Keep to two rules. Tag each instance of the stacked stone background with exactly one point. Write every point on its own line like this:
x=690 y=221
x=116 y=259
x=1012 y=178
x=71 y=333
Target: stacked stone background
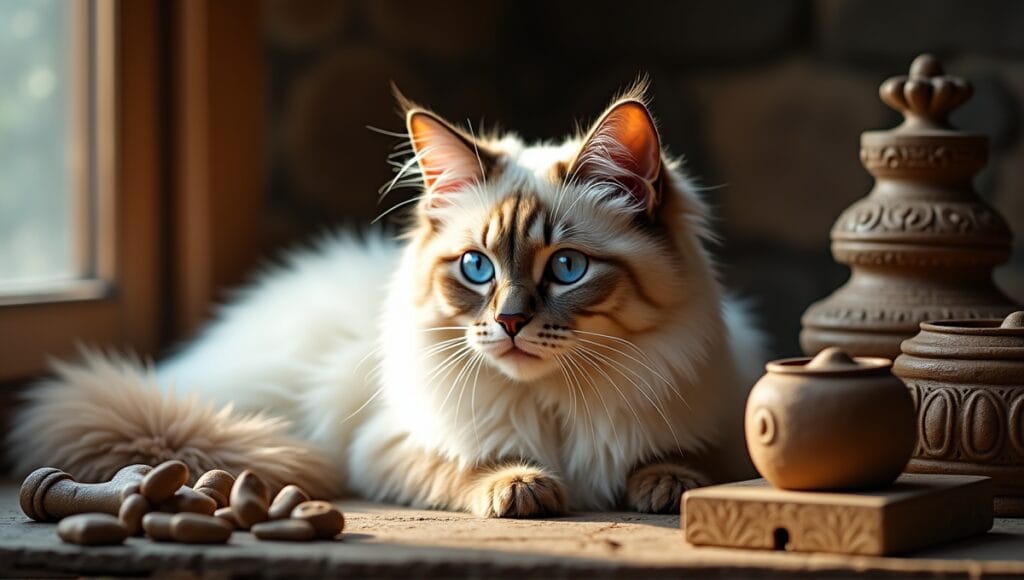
x=766 y=101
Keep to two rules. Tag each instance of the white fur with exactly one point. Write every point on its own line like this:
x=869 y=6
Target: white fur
x=300 y=344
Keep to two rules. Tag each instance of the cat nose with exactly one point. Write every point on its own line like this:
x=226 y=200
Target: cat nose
x=512 y=323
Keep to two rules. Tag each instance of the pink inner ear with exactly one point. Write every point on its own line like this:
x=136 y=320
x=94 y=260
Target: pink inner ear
x=445 y=159
x=631 y=125
x=624 y=147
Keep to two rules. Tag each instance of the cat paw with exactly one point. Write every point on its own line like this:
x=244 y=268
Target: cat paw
x=658 y=488
x=518 y=492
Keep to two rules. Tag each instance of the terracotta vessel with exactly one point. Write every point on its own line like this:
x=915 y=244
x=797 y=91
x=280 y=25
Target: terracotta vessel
x=831 y=422
x=967 y=381
x=922 y=244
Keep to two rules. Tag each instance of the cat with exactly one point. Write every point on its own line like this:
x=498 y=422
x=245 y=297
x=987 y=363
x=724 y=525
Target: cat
x=549 y=334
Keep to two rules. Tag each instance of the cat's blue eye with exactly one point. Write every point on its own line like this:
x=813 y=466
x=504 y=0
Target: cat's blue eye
x=477 y=268
x=568 y=266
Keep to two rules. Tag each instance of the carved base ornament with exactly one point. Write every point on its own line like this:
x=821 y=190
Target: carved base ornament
x=922 y=245
x=967 y=380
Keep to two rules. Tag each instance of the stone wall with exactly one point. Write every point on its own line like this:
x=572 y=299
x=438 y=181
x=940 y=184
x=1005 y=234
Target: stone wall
x=766 y=100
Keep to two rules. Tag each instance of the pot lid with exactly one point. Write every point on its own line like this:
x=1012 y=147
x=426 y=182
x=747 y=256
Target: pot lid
x=977 y=339
x=1014 y=320
x=832 y=361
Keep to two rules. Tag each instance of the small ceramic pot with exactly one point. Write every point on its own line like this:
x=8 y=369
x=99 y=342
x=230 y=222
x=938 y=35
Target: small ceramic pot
x=828 y=423
x=967 y=381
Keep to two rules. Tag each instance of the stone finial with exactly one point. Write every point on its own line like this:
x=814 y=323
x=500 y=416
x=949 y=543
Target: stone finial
x=1014 y=320
x=927 y=95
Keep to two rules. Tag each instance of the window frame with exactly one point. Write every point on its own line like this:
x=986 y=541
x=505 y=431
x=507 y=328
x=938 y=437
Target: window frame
x=114 y=304
x=180 y=205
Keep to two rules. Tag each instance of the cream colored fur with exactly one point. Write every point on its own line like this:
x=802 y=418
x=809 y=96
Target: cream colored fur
x=337 y=346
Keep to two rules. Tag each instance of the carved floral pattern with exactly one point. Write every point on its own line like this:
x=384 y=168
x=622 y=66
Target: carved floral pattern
x=896 y=314
x=922 y=156
x=810 y=528
x=921 y=217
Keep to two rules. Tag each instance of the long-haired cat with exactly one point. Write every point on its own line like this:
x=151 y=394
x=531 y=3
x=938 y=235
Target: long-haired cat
x=549 y=334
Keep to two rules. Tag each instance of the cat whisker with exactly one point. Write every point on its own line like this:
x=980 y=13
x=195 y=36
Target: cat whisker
x=583 y=395
x=365 y=404
x=375 y=350
x=388 y=133
x=607 y=411
x=441 y=347
x=584 y=355
x=672 y=386
x=618 y=339
x=618 y=367
x=472 y=402
x=476 y=151
x=394 y=207
x=448 y=362
x=455 y=383
x=412 y=164
x=462 y=391
x=569 y=418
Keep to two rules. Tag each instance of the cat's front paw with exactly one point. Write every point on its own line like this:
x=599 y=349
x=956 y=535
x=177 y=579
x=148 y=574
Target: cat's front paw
x=518 y=491
x=657 y=488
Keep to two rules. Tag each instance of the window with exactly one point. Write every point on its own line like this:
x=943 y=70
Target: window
x=52 y=130
x=136 y=137
x=77 y=130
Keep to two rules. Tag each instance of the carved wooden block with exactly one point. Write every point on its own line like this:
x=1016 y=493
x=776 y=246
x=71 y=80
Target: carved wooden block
x=917 y=511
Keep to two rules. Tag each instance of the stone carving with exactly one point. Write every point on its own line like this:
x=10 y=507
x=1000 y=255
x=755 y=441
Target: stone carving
x=966 y=378
x=875 y=157
x=921 y=227
x=914 y=217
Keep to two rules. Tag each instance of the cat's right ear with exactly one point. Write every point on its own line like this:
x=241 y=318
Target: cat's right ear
x=448 y=159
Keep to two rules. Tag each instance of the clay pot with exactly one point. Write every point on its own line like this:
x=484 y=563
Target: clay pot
x=922 y=244
x=967 y=381
x=831 y=422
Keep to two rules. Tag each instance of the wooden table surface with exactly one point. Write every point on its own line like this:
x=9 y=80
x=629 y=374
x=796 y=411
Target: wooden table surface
x=383 y=540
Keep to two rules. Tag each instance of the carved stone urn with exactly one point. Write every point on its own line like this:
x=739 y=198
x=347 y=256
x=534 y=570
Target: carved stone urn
x=829 y=423
x=922 y=244
x=967 y=380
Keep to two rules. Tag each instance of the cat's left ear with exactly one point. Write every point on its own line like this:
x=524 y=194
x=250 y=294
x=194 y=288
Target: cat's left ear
x=623 y=148
x=448 y=159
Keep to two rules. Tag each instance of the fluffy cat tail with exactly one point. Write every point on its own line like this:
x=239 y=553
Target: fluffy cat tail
x=106 y=412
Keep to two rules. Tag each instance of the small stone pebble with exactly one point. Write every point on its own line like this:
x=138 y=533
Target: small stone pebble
x=228 y=515
x=285 y=501
x=285 y=530
x=249 y=500
x=192 y=528
x=217 y=484
x=157 y=526
x=93 y=529
x=187 y=499
x=133 y=509
x=326 y=520
x=160 y=484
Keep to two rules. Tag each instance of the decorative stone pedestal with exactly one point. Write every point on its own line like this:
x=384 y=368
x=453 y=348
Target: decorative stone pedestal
x=922 y=244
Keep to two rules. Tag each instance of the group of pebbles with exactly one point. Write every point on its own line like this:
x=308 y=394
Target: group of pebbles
x=156 y=501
